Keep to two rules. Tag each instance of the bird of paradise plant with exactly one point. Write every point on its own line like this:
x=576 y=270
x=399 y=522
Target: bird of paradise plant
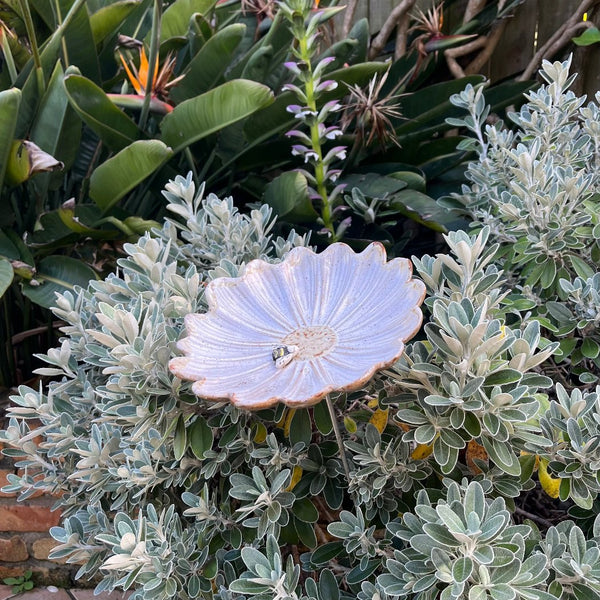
x=138 y=76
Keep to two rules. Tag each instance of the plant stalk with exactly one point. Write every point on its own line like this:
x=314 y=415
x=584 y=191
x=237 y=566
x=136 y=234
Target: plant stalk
x=152 y=61
x=338 y=436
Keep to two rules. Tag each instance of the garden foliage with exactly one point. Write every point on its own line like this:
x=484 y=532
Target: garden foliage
x=90 y=143
x=537 y=189
x=173 y=496
x=176 y=497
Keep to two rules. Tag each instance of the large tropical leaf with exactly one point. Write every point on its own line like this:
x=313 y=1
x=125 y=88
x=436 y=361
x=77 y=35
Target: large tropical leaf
x=28 y=81
x=275 y=118
x=289 y=197
x=56 y=129
x=107 y=19
x=120 y=174
x=9 y=108
x=6 y=275
x=208 y=66
x=111 y=124
x=80 y=45
x=198 y=117
x=176 y=19
x=56 y=274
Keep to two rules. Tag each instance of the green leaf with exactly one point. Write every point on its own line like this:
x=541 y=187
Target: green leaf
x=422 y=209
x=590 y=348
x=54 y=124
x=107 y=19
x=413 y=181
x=301 y=427
x=288 y=195
x=328 y=587
x=180 y=439
x=7 y=248
x=80 y=45
x=327 y=552
x=357 y=574
x=588 y=37
x=306 y=533
x=502 y=454
x=94 y=107
x=581 y=267
x=503 y=377
x=462 y=569
x=548 y=276
x=201 y=437
x=322 y=418
x=9 y=109
x=56 y=274
x=305 y=510
x=198 y=117
x=29 y=80
x=206 y=69
x=373 y=185
x=117 y=176
x=425 y=111
x=583 y=592
x=475 y=500
x=176 y=19
x=6 y=275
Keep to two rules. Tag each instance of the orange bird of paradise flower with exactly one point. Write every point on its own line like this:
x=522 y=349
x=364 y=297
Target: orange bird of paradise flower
x=161 y=80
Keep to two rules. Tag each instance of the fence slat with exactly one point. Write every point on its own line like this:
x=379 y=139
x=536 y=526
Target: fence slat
x=534 y=22
x=516 y=46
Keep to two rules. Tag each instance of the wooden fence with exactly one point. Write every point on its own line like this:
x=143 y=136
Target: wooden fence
x=532 y=25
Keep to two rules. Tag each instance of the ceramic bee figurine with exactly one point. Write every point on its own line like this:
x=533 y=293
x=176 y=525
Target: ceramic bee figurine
x=283 y=355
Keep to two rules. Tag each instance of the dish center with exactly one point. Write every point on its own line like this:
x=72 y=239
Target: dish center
x=311 y=342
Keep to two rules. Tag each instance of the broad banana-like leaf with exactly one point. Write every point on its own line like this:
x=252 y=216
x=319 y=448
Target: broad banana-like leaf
x=176 y=19
x=6 y=275
x=107 y=19
x=80 y=45
x=431 y=105
x=208 y=66
x=117 y=176
x=422 y=209
x=56 y=274
x=94 y=107
x=56 y=129
x=288 y=195
x=28 y=82
x=9 y=109
x=198 y=117
x=273 y=119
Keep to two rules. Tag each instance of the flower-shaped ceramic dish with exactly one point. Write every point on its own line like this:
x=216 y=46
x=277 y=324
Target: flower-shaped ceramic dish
x=295 y=331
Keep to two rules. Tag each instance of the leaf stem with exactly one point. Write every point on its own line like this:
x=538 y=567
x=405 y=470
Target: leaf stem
x=152 y=61
x=338 y=436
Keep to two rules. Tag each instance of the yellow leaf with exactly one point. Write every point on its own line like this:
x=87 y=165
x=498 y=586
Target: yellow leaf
x=350 y=424
x=374 y=403
x=261 y=433
x=422 y=451
x=549 y=484
x=288 y=422
x=296 y=476
x=380 y=419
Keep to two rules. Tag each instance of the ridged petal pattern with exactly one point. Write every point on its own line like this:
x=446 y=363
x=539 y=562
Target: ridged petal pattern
x=342 y=316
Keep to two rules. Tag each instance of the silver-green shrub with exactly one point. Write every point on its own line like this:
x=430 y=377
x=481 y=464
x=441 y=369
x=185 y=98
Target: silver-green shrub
x=537 y=188
x=173 y=497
